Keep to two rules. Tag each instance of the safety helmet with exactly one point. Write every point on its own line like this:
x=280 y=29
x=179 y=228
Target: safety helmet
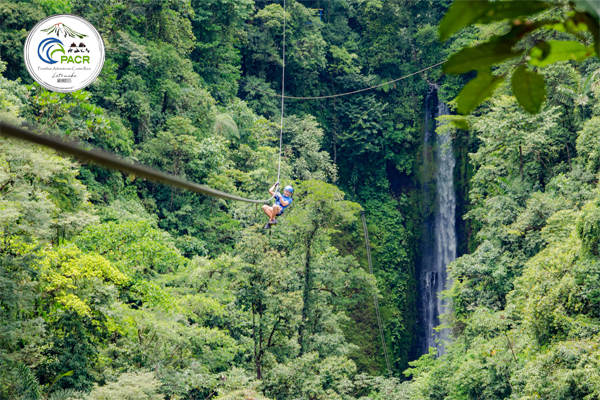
x=289 y=189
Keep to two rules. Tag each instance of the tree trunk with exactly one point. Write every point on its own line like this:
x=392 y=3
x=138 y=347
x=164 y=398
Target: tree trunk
x=260 y=341
x=334 y=150
x=256 y=344
x=306 y=295
x=521 y=162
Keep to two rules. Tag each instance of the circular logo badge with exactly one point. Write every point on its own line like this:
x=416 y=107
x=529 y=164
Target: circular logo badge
x=64 y=53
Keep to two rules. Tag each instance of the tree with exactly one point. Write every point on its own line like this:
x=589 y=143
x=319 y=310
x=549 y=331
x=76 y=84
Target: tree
x=269 y=291
x=588 y=148
x=305 y=47
x=513 y=142
x=303 y=138
x=321 y=208
x=132 y=386
x=76 y=289
x=217 y=26
x=40 y=193
x=16 y=19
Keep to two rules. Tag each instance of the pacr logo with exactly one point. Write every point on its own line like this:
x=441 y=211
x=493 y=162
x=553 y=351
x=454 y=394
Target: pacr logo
x=64 y=53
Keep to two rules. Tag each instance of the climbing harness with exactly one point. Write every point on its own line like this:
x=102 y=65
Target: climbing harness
x=381 y=333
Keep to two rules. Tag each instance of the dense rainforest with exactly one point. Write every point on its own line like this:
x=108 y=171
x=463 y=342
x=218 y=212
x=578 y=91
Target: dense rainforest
x=116 y=287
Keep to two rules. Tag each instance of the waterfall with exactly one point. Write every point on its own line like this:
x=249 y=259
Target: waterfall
x=439 y=232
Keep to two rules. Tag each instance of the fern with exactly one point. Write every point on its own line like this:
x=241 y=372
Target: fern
x=66 y=394
x=30 y=388
x=590 y=81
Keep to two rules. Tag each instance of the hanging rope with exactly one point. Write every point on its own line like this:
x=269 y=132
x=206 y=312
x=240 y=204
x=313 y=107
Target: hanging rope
x=381 y=333
x=282 y=105
x=347 y=93
x=282 y=94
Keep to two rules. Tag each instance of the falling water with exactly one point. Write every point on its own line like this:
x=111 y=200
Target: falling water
x=439 y=235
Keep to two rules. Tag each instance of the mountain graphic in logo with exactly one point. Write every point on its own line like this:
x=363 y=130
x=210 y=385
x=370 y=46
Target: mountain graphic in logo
x=45 y=47
x=59 y=28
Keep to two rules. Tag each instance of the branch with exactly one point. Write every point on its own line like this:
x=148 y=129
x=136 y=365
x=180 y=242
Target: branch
x=540 y=159
x=49 y=119
x=510 y=345
x=7 y=182
x=273 y=331
x=172 y=354
x=326 y=290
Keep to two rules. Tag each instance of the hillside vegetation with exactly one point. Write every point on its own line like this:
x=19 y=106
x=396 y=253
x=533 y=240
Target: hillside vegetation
x=115 y=287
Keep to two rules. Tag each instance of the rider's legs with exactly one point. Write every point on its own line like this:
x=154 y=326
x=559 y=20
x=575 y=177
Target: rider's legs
x=274 y=211
x=268 y=210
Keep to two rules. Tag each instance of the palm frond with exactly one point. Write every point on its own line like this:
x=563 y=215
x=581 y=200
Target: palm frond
x=575 y=79
x=589 y=81
x=226 y=126
x=565 y=94
x=66 y=394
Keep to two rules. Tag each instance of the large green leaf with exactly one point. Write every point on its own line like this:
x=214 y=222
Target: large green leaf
x=465 y=13
x=495 y=51
x=477 y=90
x=529 y=89
x=482 y=56
x=560 y=51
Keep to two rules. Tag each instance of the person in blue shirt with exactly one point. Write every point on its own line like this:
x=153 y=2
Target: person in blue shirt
x=281 y=202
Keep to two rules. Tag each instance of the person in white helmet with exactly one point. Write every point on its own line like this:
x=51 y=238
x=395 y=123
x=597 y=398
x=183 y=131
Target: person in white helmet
x=281 y=202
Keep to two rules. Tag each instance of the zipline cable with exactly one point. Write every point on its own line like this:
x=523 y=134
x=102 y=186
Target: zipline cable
x=347 y=93
x=360 y=90
x=381 y=333
x=108 y=160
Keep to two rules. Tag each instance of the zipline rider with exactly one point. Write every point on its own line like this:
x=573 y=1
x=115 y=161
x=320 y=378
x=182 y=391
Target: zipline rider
x=281 y=202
